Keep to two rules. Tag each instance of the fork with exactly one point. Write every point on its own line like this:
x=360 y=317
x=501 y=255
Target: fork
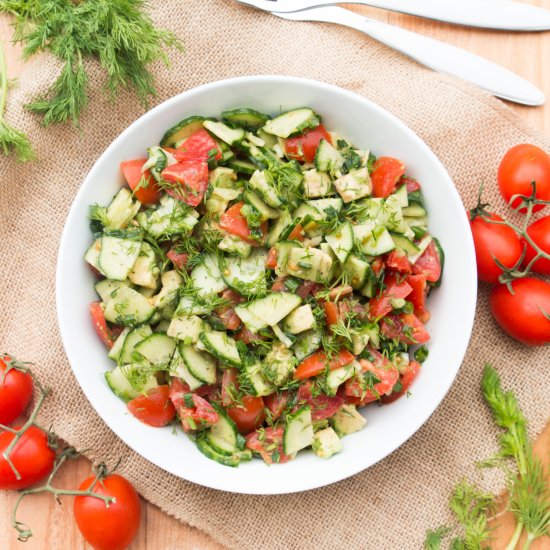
x=435 y=54
x=488 y=14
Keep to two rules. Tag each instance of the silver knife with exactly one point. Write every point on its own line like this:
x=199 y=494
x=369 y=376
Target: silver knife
x=489 y=14
x=435 y=54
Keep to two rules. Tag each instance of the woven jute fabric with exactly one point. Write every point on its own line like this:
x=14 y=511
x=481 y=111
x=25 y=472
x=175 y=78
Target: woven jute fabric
x=391 y=504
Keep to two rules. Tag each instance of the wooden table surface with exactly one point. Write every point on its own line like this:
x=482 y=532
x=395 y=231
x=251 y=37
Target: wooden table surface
x=53 y=526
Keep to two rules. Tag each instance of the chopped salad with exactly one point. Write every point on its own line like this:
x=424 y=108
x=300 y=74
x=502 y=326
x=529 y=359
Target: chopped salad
x=259 y=280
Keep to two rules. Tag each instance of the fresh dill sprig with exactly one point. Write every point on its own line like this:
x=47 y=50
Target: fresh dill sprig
x=529 y=491
x=11 y=139
x=435 y=538
x=119 y=34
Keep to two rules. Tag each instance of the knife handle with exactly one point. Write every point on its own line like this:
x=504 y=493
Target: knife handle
x=451 y=60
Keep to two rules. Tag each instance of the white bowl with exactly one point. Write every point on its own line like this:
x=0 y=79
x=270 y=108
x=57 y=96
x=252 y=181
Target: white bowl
x=452 y=305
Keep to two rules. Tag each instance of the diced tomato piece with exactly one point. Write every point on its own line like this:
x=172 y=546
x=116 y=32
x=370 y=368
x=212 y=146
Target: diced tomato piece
x=364 y=388
x=226 y=314
x=406 y=378
x=276 y=403
x=268 y=443
x=386 y=173
x=331 y=312
x=398 y=261
x=100 y=324
x=155 y=408
x=230 y=386
x=179 y=260
x=317 y=362
x=351 y=308
x=377 y=266
x=247 y=336
x=189 y=179
x=379 y=306
x=429 y=264
x=279 y=285
x=271 y=262
x=178 y=388
x=297 y=234
x=411 y=183
x=406 y=327
x=248 y=414
x=418 y=296
x=149 y=191
x=198 y=146
x=307 y=288
x=322 y=406
x=304 y=146
x=235 y=223
x=198 y=417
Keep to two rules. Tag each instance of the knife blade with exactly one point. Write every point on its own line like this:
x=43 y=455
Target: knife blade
x=489 y=14
x=436 y=55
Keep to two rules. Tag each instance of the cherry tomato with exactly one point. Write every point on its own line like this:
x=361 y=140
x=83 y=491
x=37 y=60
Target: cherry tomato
x=149 y=193
x=189 y=179
x=317 y=362
x=268 y=443
x=247 y=336
x=100 y=325
x=539 y=231
x=198 y=146
x=411 y=183
x=525 y=314
x=405 y=327
x=519 y=167
x=248 y=414
x=178 y=389
x=155 y=408
x=15 y=391
x=110 y=527
x=494 y=242
x=386 y=172
x=31 y=456
x=179 y=260
x=235 y=223
x=304 y=146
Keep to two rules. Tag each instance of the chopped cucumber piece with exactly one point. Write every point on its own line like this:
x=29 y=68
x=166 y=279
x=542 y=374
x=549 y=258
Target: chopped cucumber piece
x=92 y=255
x=107 y=289
x=278 y=228
x=246 y=275
x=119 y=251
x=292 y=122
x=415 y=210
x=122 y=210
x=310 y=264
x=128 y=308
x=134 y=337
x=227 y=460
x=235 y=245
x=338 y=376
x=404 y=244
x=200 y=364
x=231 y=136
x=179 y=369
x=307 y=343
x=355 y=185
x=207 y=278
x=326 y=443
x=298 y=431
x=247 y=118
x=186 y=328
x=317 y=184
x=341 y=241
x=128 y=381
x=279 y=365
x=145 y=271
x=358 y=271
x=221 y=346
x=157 y=348
x=299 y=320
x=402 y=197
x=223 y=436
x=268 y=310
x=328 y=159
x=255 y=383
x=174 y=137
x=258 y=182
x=116 y=350
x=422 y=245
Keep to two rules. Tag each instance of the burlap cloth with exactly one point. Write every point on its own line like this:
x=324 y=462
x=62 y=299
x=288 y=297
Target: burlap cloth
x=393 y=503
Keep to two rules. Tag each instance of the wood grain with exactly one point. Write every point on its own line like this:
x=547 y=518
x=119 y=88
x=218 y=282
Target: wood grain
x=53 y=526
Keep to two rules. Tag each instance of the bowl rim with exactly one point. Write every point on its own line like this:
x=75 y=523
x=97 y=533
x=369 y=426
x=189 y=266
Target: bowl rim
x=307 y=484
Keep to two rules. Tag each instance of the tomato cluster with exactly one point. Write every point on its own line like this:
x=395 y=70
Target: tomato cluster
x=32 y=458
x=505 y=256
